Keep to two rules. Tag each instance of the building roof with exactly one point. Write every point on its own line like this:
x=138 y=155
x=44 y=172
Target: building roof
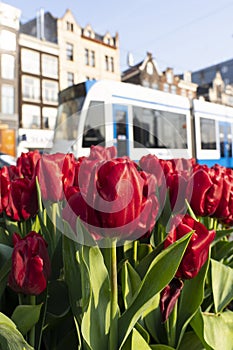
x=207 y=75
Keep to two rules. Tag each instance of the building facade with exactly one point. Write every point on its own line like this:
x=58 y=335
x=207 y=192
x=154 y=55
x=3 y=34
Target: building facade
x=55 y=53
x=207 y=75
x=38 y=92
x=9 y=26
x=148 y=74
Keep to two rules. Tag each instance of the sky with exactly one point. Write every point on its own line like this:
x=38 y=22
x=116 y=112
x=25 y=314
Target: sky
x=184 y=35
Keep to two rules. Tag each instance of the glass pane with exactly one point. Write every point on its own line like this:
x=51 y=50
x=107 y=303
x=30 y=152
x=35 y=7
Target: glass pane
x=8 y=101
x=94 y=129
x=50 y=66
x=30 y=61
x=159 y=129
x=208 y=133
x=8 y=66
x=49 y=117
x=31 y=117
x=7 y=40
x=68 y=119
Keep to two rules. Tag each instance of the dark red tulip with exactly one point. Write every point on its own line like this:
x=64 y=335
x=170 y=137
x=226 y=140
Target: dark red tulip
x=197 y=251
x=169 y=297
x=30 y=264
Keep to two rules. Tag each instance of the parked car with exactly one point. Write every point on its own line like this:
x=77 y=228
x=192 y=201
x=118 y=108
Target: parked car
x=6 y=159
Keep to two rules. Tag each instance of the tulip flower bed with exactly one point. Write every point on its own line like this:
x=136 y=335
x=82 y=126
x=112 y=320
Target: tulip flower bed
x=101 y=253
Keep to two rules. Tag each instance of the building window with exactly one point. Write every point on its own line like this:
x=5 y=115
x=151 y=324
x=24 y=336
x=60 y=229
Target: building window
x=183 y=92
x=7 y=40
x=93 y=58
x=106 y=63
x=30 y=117
x=50 y=66
x=31 y=88
x=87 y=57
x=70 y=78
x=190 y=94
x=7 y=66
x=173 y=89
x=112 y=64
x=169 y=77
x=30 y=61
x=224 y=69
x=8 y=99
x=165 y=87
x=49 y=117
x=69 y=52
x=50 y=91
x=69 y=26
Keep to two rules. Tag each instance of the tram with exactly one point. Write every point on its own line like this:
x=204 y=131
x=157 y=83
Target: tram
x=139 y=120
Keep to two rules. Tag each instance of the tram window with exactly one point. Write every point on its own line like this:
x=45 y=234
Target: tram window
x=68 y=119
x=159 y=129
x=94 y=128
x=208 y=133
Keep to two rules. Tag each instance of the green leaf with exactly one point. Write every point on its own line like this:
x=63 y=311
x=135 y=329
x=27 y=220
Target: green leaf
x=5 y=265
x=218 y=330
x=10 y=337
x=135 y=342
x=58 y=300
x=159 y=274
x=190 y=301
x=152 y=319
x=144 y=264
x=72 y=274
x=191 y=341
x=96 y=320
x=26 y=316
x=143 y=332
x=222 y=282
x=130 y=281
x=222 y=250
x=197 y=324
x=161 y=347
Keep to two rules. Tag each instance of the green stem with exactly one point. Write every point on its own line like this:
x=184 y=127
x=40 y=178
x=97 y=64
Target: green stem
x=113 y=338
x=43 y=319
x=171 y=327
x=135 y=252
x=54 y=217
x=33 y=329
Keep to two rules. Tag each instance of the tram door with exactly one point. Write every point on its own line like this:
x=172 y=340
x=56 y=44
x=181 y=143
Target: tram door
x=225 y=133
x=120 y=129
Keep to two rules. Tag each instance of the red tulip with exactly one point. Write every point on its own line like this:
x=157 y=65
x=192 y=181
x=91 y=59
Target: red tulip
x=197 y=251
x=55 y=173
x=119 y=201
x=152 y=165
x=30 y=264
x=207 y=185
x=225 y=207
x=22 y=201
x=27 y=163
x=4 y=188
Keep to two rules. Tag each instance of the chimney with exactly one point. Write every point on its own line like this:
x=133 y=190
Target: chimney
x=40 y=24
